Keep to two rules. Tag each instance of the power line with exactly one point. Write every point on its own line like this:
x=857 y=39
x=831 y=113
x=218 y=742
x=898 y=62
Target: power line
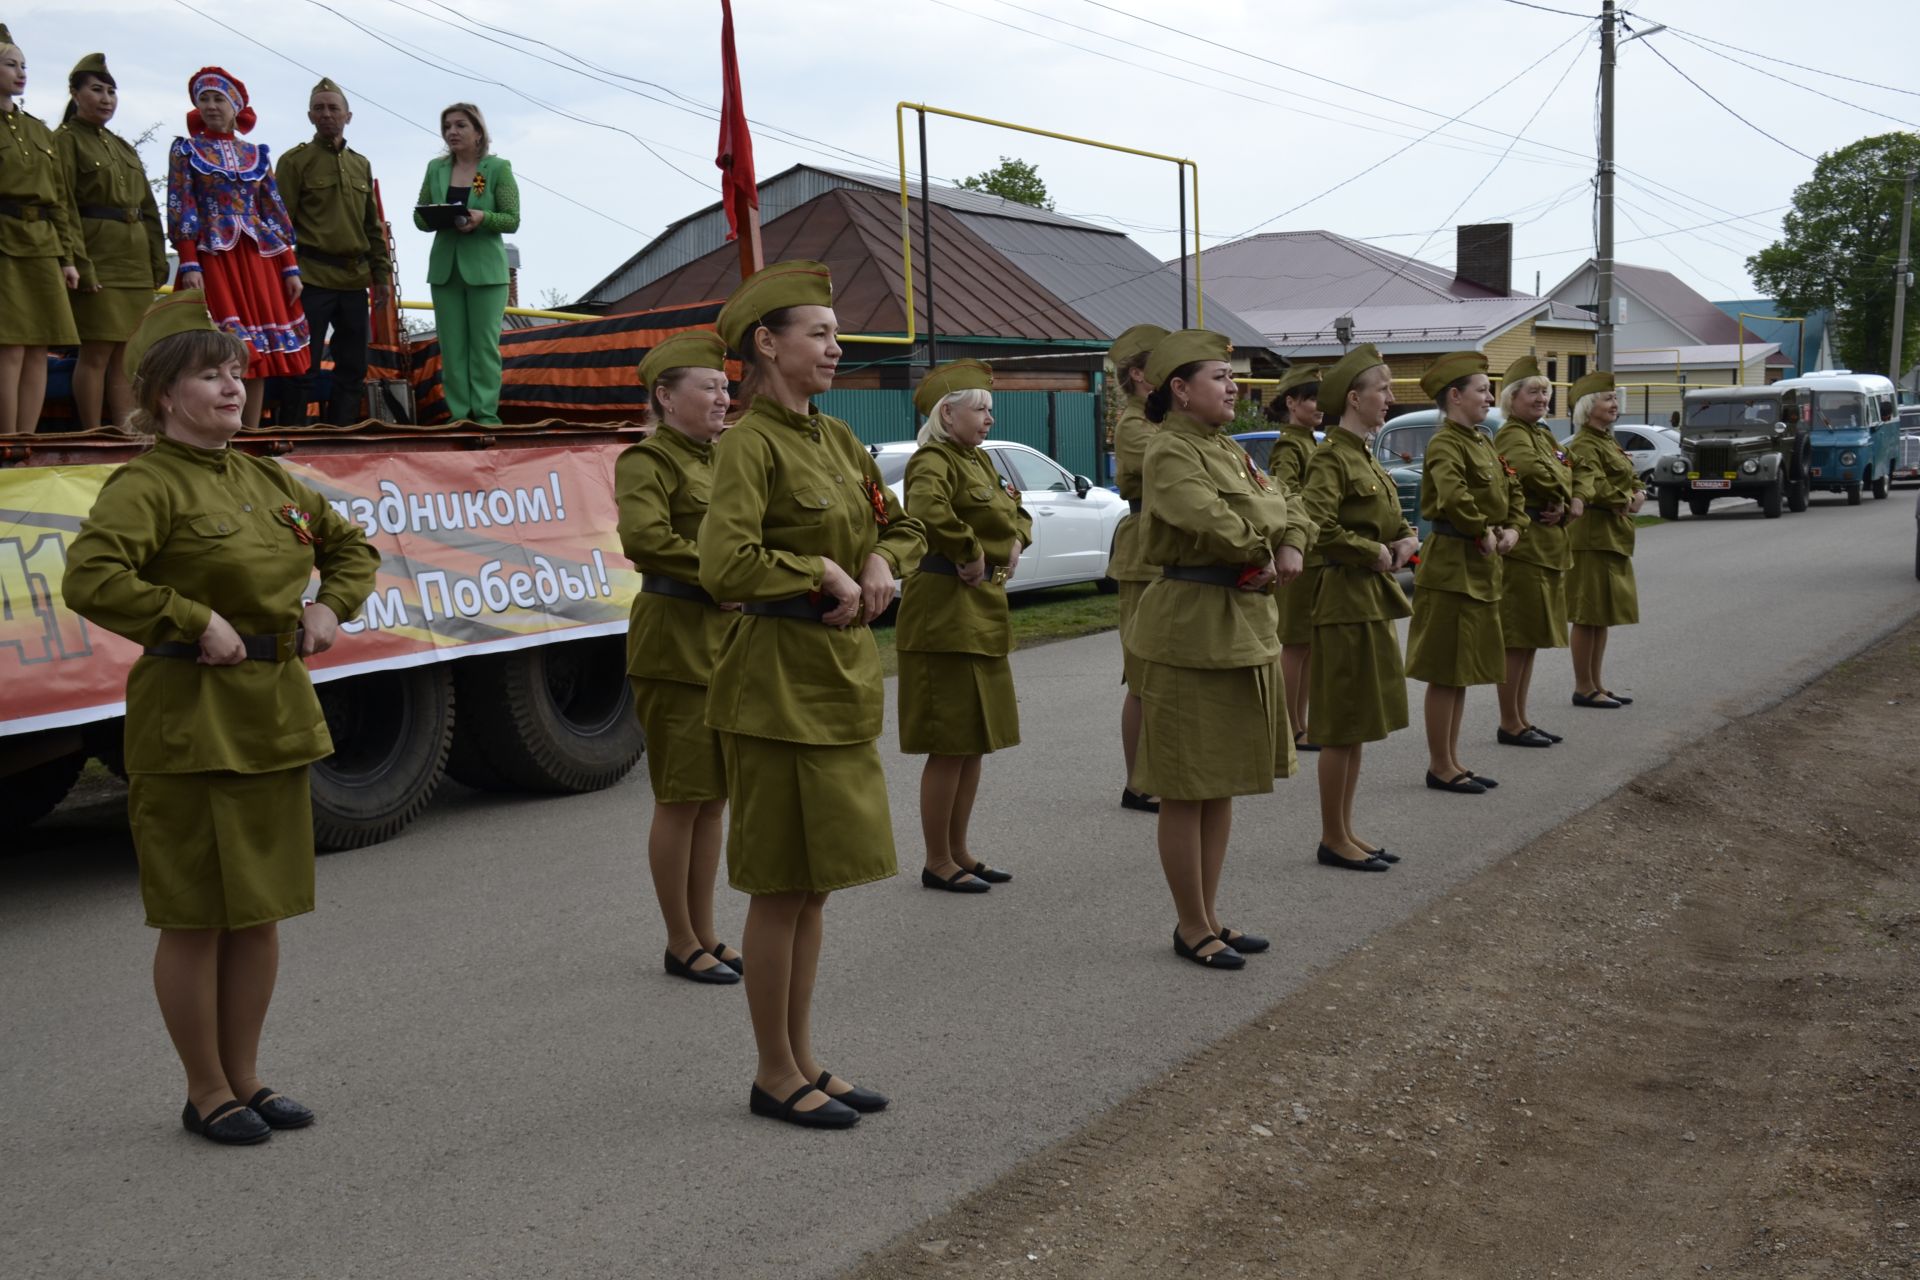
x=1568 y=13
x=1583 y=248
x=1798 y=66
x=1805 y=88
x=1655 y=51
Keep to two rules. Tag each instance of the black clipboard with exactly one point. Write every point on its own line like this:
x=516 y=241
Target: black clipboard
x=441 y=217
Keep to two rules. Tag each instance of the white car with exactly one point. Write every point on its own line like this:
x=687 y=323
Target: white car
x=1648 y=446
x=1073 y=518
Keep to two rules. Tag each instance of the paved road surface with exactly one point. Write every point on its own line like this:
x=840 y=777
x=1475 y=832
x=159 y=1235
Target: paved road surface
x=509 y=1086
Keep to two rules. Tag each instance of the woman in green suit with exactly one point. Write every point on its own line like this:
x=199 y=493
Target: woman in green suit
x=956 y=687
x=1128 y=356
x=804 y=531
x=1533 y=593
x=1359 y=684
x=467 y=269
x=1296 y=411
x=1600 y=589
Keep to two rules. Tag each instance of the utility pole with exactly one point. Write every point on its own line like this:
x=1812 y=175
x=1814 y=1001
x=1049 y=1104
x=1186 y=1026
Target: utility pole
x=1900 y=282
x=1603 y=251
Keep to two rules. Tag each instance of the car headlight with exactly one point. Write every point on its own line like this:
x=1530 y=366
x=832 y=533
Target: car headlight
x=1750 y=466
x=1848 y=458
x=1678 y=466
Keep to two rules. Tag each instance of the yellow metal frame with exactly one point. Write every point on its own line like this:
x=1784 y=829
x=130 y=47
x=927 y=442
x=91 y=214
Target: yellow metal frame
x=1800 y=344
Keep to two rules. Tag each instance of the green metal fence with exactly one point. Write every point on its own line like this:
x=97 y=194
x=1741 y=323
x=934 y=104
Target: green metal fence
x=1064 y=425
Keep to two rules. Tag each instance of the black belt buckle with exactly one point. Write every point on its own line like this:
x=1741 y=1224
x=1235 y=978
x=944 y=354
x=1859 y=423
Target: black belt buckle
x=22 y=212
x=802 y=608
x=283 y=647
x=1447 y=529
x=1215 y=575
x=659 y=584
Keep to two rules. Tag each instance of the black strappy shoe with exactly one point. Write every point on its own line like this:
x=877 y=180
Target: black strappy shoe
x=830 y=1115
x=992 y=875
x=1247 y=944
x=720 y=975
x=231 y=1124
x=1225 y=958
x=865 y=1101
x=280 y=1111
x=961 y=881
x=1464 y=784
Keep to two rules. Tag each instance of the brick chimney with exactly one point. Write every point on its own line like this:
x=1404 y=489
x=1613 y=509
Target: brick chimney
x=1484 y=256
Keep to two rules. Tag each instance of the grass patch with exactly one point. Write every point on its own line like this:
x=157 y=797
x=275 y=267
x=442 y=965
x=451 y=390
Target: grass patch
x=1038 y=617
x=1644 y=521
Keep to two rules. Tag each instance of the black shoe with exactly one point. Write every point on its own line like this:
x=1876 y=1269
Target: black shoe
x=1465 y=784
x=1482 y=779
x=959 y=882
x=720 y=975
x=1300 y=743
x=1131 y=799
x=1620 y=698
x=830 y=1115
x=1550 y=737
x=990 y=874
x=1247 y=944
x=1598 y=701
x=1384 y=856
x=864 y=1101
x=738 y=964
x=1528 y=737
x=231 y=1124
x=1328 y=858
x=279 y=1111
x=1225 y=958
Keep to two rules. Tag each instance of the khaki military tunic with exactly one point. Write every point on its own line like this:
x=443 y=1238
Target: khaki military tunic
x=1359 y=686
x=39 y=234
x=1130 y=436
x=663 y=485
x=1455 y=638
x=1533 y=597
x=124 y=248
x=1601 y=591
x=1287 y=464
x=799 y=704
x=329 y=194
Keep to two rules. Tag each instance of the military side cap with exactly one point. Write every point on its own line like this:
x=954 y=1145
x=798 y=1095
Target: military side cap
x=1184 y=347
x=180 y=312
x=1592 y=384
x=327 y=85
x=955 y=375
x=94 y=64
x=1298 y=376
x=1130 y=344
x=694 y=349
x=6 y=36
x=1339 y=380
x=784 y=284
x=1449 y=369
x=1523 y=368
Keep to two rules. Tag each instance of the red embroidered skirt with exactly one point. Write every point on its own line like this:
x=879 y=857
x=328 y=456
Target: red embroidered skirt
x=247 y=298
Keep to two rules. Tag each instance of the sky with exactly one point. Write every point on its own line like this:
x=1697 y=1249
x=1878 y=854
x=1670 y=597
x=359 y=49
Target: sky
x=605 y=161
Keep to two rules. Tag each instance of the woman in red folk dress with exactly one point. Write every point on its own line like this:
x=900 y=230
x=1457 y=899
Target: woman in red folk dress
x=231 y=229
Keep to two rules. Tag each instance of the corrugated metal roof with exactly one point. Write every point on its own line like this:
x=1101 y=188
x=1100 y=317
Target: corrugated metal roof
x=1297 y=270
x=1712 y=354
x=960 y=199
x=1430 y=326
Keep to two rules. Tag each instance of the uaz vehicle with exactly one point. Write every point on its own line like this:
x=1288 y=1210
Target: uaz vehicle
x=1852 y=420
x=1739 y=442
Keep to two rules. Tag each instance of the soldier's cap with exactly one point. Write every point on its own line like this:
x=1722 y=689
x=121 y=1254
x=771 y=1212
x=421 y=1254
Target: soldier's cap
x=94 y=64
x=1130 y=344
x=1592 y=384
x=798 y=283
x=183 y=311
x=327 y=85
x=955 y=375
x=1298 y=376
x=1339 y=380
x=694 y=349
x=1451 y=368
x=6 y=37
x=1184 y=347
x=1524 y=367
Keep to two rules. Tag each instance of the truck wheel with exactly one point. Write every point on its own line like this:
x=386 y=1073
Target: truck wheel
x=555 y=718
x=1773 y=499
x=1853 y=495
x=1699 y=505
x=1669 y=505
x=36 y=791
x=1797 y=495
x=1880 y=485
x=391 y=733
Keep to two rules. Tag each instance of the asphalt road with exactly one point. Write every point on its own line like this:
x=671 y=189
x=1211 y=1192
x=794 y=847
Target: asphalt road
x=509 y=1086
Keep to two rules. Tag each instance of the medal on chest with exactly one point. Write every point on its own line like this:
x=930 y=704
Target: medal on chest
x=1253 y=469
x=299 y=521
x=877 y=499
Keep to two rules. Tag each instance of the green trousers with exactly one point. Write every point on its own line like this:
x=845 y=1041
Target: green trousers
x=468 y=317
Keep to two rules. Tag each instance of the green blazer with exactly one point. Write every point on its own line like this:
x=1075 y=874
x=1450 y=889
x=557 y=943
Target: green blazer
x=479 y=254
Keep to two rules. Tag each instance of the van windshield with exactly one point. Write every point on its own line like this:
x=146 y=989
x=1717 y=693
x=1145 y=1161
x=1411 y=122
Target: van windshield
x=1840 y=409
x=1759 y=414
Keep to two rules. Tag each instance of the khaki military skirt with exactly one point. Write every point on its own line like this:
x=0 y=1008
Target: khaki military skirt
x=1455 y=640
x=1601 y=590
x=1295 y=601
x=110 y=315
x=683 y=755
x=806 y=819
x=1210 y=734
x=34 y=308
x=1533 y=606
x=1357 y=691
x=957 y=704
x=223 y=850
x=1130 y=593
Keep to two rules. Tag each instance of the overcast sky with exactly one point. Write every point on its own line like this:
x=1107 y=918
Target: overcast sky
x=1205 y=85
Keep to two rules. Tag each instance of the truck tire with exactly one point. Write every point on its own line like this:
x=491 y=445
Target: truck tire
x=557 y=718
x=1853 y=495
x=1773 y=499
x=1880 y=485
x=1798 y=493
x=1699 y=506
x=36 y=791
x=391 y=734
x=1669 y=505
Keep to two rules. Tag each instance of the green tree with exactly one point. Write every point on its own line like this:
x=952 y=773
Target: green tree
x=1014 y=180
x=1842 y=240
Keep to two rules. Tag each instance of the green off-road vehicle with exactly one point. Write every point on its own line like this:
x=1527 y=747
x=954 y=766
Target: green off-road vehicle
x=1746 y=442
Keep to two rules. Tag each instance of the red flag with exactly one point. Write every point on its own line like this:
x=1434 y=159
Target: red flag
x=738 y=191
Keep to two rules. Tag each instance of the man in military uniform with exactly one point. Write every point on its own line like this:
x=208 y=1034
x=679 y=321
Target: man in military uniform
x=342 y=247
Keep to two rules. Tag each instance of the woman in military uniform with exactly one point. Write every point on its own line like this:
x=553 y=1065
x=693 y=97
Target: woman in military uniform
x=664 y=483
x=1204 y=637
x=39 y=251
x=125 y=255
x=203 y=555
x=956 y=688
x=1477 y=510
x=804 y=531
x=1128 y=356
x=1296 y=411
x=1359 y=685
x=1533 y=589
x=1600 y=587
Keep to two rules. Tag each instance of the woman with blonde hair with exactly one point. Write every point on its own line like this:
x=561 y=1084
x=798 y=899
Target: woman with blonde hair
x=956 y=687
x=1601 y=592
x=1533 y=590
x=467 y=267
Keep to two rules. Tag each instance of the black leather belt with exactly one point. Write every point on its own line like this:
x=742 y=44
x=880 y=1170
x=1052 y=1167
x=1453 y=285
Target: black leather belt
x=1133 y=505
x=1534 y=513
x=332 y=259
x=24 y=212
x=659 y=584
x=1214 y=575
x=107 y=213
x=934 y=562
x=1446 y=529
x=806 y=608
x=284 y=647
